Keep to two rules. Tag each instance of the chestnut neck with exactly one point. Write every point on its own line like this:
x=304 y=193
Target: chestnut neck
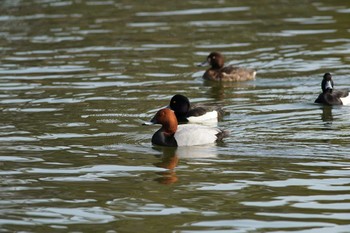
x=170 y=126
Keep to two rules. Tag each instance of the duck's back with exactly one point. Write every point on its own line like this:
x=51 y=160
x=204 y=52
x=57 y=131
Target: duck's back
x=329 y=99
x=230 y=73
x=341 y=93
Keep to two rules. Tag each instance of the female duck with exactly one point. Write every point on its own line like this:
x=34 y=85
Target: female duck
x=173 y=135
x=218 y=72
x=329 y=96
x=195 y=114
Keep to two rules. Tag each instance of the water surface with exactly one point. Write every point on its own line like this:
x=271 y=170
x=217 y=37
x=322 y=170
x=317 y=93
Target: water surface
x=77 y=79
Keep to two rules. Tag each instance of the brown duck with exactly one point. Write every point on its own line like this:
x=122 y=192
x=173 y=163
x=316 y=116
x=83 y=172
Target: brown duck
x=217 y=71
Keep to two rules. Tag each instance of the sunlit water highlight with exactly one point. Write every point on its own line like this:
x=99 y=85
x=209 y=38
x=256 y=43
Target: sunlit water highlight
x=78 y=78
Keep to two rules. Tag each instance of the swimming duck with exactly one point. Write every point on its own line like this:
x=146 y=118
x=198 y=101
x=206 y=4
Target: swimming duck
x=329 y=96
x=194 y=114
x=217 y=71
x=173 y=135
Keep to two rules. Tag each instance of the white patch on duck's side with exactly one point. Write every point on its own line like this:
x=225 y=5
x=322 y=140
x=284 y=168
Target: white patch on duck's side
x=212 y=117
x=346 y=100
x=192 y=135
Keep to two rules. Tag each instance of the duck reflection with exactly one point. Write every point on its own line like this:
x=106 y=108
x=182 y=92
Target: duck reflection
x=169 y=160
x=170 y=156
x=221 y=90
x=193 y=152
x=327 y=115
x=216 y=91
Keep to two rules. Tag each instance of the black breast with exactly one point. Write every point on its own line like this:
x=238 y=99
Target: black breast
x=161 y=139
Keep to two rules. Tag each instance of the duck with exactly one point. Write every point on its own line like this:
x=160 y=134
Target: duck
x=219 y=72
x=171 y=134
x=329 y=96
x=185 y=113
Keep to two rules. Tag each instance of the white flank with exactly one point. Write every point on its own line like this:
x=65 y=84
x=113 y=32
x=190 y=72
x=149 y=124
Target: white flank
x=192 y=135
x=209 y=116
x=346 y=100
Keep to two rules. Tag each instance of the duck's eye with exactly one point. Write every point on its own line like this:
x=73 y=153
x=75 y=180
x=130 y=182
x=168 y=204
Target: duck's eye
x=174 y=102
x=213 y=57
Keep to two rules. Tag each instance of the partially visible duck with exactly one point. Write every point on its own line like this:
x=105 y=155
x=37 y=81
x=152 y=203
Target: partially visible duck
x=171 y=134
x=329 y=96
x=217 y=71
x=193 y=114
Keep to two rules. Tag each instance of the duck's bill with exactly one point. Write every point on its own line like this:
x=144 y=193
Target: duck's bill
x=147 y=123
x=206 y=63
x=153 y=121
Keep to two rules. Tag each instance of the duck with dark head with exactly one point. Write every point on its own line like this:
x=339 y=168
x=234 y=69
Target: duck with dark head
x=219 y=72
x=185 y=112
x=329 y=95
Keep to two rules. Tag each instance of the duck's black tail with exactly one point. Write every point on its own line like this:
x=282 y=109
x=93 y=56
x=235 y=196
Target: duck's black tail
x=222 y=134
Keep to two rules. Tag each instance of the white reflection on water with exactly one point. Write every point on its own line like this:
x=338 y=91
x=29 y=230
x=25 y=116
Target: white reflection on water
x=208 y=151
x=223 y=187
x=17 y=139
x=328 y=206
x=19 y=159
x=313 y=20
x=98 y=173
x=55 y=39
x=131 y=206
x=38 y=200
x=146 y=24
x=289 y=33
x=298 y=200
x=56 y=215
x=221 y=46
x=312 y=184
x=93 y=169
x=193 y=11
x=339 y=216
x=218 y=23
x=74 y=89
x=170 y=158
x=33 y=109
x=253 y=225
x=46 y=69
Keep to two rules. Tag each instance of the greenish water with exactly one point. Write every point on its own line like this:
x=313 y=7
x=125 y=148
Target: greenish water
x=77 y=79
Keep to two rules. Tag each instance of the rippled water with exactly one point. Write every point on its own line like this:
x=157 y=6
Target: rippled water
x=77 y=79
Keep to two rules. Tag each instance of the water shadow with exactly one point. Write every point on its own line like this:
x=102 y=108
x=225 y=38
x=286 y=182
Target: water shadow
x=170 y=157
x=221 y=90
x=327 y=115
x=168 y=160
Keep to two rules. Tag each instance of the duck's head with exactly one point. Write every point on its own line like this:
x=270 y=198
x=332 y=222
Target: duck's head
x=179 y=104
x=215 y=60
x=166 y=117
x=327 y=84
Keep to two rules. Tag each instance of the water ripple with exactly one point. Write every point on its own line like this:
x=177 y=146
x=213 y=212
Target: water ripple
x=57 y=215
x=79 y=77
x=194 y=11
